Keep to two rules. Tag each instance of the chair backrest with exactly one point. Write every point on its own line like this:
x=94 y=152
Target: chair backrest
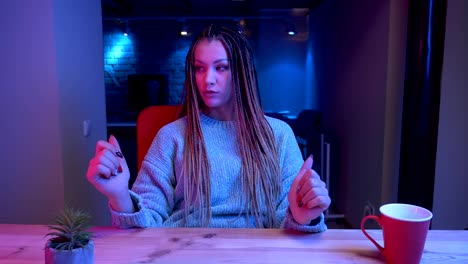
x=149 y=121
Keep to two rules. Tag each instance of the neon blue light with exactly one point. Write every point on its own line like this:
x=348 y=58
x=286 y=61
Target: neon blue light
x=118 y=48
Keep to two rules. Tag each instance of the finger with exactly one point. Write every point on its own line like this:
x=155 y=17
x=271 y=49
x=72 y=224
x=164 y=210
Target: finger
x=312 y=193
x=121 y=159
x=309 y=184
x=104 y=171
x=318 y=202
x=97 y=170
x=117 y=151
x=109 y=159
x=306 y=177
x=103 y=145
x=312 y=175
x=105 y=158
x=305 y=167
x=304 y=183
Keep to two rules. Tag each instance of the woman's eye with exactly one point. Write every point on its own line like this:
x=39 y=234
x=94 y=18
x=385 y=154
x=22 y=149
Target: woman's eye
x=199 y=69
x=222 y=68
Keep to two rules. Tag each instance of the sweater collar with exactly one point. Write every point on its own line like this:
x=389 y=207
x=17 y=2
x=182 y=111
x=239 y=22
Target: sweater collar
x=214 y=122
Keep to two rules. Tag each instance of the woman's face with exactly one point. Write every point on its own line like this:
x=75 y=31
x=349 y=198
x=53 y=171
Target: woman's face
x=213 y=76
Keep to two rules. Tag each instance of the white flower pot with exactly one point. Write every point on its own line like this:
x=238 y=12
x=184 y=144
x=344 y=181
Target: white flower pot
x=76 y=256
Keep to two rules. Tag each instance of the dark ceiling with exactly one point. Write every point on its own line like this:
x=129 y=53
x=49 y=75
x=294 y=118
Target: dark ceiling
x=198 y=8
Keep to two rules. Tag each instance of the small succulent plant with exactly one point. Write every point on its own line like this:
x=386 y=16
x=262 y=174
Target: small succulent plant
x=70 y=230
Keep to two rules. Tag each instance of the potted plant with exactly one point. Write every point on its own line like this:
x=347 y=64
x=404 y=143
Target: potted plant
x=70 y=240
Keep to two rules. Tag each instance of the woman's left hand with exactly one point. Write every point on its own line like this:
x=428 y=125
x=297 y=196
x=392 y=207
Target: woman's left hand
x=308 y=196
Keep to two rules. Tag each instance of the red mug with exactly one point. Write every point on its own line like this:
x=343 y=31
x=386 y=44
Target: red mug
x=404 y=229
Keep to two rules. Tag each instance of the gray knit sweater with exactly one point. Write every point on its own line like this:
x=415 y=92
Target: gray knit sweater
x=158 y=191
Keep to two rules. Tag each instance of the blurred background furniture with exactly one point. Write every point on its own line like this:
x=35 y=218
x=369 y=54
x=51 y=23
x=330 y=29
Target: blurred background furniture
x=149 y=121
x=312 y=140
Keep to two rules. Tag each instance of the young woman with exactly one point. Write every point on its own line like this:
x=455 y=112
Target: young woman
x=223 y=163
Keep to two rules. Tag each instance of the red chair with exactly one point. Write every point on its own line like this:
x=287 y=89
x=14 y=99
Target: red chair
x=149 y=121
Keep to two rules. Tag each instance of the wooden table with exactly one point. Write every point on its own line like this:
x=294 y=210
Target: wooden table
x=25 y=243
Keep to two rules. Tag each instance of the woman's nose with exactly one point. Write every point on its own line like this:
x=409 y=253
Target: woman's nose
x=210 y=77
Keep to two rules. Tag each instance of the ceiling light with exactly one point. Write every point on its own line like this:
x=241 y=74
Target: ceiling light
x=184 y=29
x=124 y=27
x=291 y=29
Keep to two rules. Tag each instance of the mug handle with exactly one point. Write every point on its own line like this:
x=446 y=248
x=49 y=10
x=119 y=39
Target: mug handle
x=363 y=221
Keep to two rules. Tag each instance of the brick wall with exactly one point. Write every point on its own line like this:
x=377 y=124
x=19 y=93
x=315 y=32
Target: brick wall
x=152 y=47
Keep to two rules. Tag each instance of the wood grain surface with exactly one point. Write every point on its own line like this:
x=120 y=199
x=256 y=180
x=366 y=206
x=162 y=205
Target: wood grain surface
x=25 y=244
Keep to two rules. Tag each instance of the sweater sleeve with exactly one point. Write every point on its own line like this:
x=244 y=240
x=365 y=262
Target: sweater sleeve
x=290 y=163
x=153 y=193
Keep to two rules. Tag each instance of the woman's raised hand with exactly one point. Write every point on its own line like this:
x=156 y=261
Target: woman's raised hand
x=308 y=196
x=108 y=172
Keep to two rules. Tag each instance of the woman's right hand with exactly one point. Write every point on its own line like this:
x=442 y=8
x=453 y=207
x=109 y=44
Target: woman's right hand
x=108 y=172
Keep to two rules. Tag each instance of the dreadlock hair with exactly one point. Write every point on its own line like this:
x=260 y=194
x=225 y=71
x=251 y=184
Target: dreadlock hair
x=260 y=173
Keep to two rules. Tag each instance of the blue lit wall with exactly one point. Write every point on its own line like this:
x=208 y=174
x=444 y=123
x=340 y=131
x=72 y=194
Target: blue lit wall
x=119 y=62
x=285 y=67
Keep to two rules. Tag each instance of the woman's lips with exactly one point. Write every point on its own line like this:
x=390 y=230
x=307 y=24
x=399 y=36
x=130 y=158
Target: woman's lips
x=210 y=93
